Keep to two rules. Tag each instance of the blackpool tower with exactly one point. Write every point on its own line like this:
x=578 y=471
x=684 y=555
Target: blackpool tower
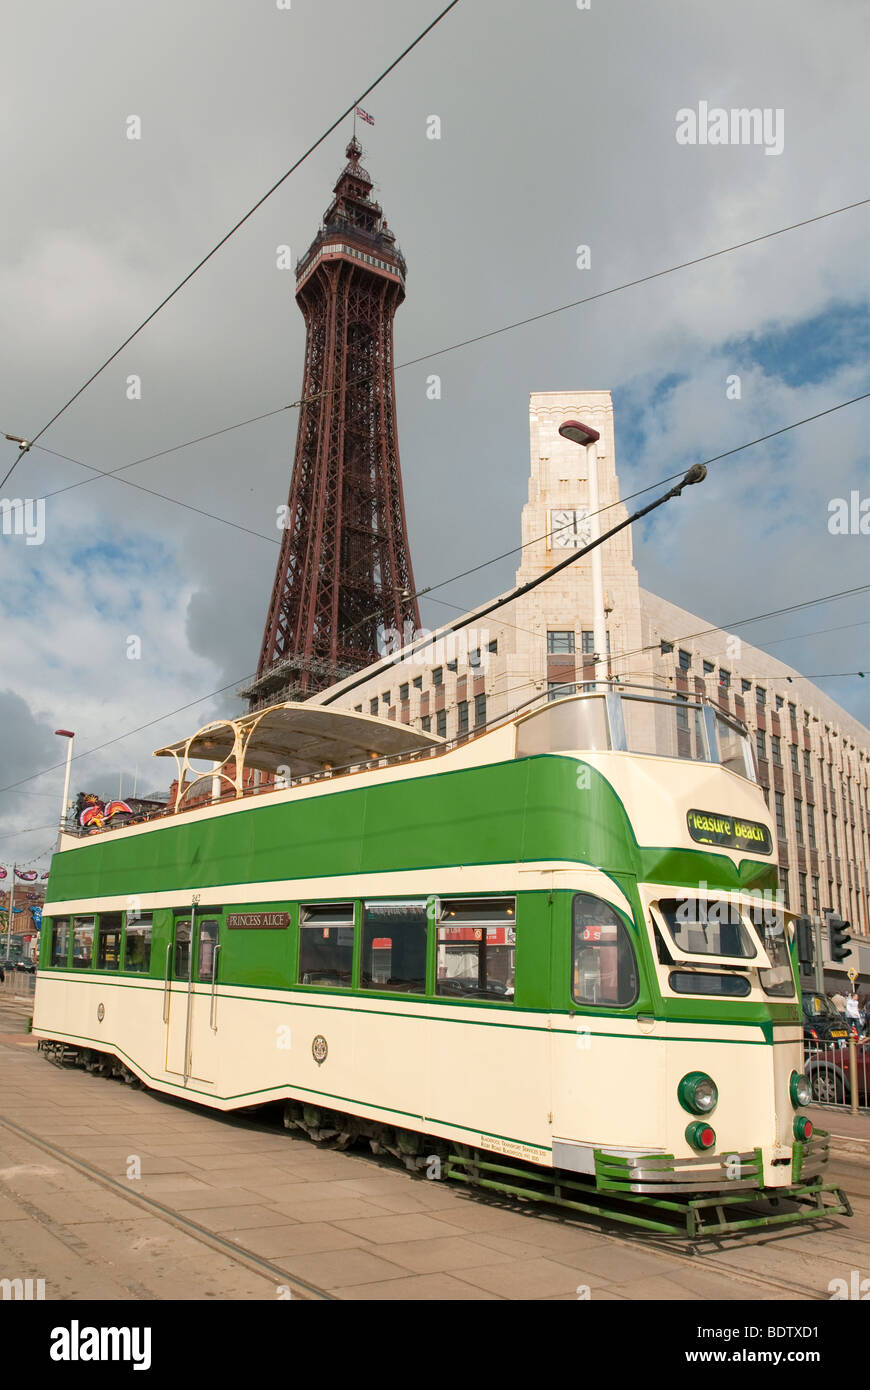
x=344 y=572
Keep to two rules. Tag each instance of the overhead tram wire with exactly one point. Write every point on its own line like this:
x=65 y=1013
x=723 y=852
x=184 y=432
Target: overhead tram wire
x=113 y=473
x=744 y=622
x=429 y=589
x=27 y=445
x=439 y=352
x=696 y=474
x=807 y=603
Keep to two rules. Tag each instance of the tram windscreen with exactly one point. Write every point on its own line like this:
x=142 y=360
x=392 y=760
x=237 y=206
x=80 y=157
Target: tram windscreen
x=779 y=980
x=703 y=927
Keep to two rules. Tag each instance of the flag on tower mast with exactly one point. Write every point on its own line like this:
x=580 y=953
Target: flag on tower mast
x=364 y=116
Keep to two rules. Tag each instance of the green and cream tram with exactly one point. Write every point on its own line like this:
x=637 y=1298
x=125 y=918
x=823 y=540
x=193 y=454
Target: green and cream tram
x=548 y=956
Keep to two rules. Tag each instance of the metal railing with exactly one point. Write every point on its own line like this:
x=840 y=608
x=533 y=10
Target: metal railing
x=839 y=1071
x=18 y=983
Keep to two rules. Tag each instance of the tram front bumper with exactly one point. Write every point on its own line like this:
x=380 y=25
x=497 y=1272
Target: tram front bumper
x=726 y=1172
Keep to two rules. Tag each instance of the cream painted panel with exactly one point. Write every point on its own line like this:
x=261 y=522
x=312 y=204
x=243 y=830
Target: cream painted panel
x=609 y=1090
x=657 y=793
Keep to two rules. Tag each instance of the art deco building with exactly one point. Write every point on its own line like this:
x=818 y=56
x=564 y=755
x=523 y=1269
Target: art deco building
x=813 y=758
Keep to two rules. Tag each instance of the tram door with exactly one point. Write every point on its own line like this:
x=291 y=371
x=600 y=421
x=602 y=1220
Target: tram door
x=191 y=961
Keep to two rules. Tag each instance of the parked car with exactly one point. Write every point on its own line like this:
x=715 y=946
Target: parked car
x=828 y=1069
x=822 y=1021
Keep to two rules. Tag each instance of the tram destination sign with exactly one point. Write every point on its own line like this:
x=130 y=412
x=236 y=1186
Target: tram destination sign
x=264 y=921
x=711 y=828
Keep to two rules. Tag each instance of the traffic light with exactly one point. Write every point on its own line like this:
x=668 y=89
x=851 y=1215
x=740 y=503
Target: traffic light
x=804 y=935
x=839 y=937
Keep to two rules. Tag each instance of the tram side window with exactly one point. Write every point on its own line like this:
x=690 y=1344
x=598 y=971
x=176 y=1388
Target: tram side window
x=476 y=948
x=208 y=940
x=137 y=947
x=109 y=941
x=83 y=943
x=326 y=945
x=60 y=941
x=604 y=968
x=394 y=946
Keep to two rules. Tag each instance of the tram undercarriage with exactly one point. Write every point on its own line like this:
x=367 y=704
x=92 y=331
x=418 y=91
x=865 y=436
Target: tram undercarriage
x=649 y=1193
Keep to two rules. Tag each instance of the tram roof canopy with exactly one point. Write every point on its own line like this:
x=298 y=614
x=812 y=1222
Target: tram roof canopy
x=305 y=737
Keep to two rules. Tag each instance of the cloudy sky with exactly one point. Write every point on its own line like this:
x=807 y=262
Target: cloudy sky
x=558 y=129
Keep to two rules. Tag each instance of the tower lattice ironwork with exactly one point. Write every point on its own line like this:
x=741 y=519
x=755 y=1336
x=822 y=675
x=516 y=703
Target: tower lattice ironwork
x=344 y=573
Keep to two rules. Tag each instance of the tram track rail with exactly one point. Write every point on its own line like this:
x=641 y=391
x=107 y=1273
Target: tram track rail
x=299 y=1288
x=694 y=1260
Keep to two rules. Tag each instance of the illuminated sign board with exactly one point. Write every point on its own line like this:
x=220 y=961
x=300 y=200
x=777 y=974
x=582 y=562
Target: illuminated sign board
x=711 y=828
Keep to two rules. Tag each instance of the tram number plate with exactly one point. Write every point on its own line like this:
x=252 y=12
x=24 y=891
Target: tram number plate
x=711 y=828
x=265 y=921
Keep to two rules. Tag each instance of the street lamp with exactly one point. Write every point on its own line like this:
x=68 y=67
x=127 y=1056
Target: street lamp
x=65 y=733
x=586 y=436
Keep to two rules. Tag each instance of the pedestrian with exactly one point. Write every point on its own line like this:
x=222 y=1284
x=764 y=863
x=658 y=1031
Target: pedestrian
x=853 y=1012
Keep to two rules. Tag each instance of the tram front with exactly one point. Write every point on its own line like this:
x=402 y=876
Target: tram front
x=696 y=1104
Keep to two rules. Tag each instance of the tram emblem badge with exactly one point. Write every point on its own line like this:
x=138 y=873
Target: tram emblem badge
x=319 y=1049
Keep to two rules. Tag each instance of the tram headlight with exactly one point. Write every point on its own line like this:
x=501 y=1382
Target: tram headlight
x=698 y=1093
x=799 y=1090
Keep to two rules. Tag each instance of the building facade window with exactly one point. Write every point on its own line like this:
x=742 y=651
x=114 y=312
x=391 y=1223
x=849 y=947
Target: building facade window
x=708 y=668
x=811 y=827
x=794 y=759
x=779 y=801
x=426 y=723
x=560 y=643
x=404 y=692
x=441 y=723
x=373 y=705
x=667 y=647
x=745 y=686
x=760 y=696
x=724 y=679
x=761 y=743
x=802 y=889
x=776 y=749
x=799 y=821
x=463 y=717
x=479 y=711
x=685 y=661
x=437 y=675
